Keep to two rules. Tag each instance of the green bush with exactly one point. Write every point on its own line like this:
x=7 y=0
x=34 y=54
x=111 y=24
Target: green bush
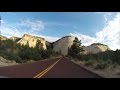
x=115 y=65
x=102 y=65
x=89 y=62
x=21 y=54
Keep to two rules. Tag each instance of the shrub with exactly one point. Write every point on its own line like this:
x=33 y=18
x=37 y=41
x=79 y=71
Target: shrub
x=89 y=62
x=115 y=65
x=102 y=65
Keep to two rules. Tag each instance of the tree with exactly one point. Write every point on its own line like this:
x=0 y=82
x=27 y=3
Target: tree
x=39 y=45
x=116 y=56
x=76 y=48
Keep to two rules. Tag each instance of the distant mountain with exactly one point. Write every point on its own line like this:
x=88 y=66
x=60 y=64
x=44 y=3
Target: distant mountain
x=95 y=48
x=31 y=40
x=48 y=43
x=63 y=44
x=60 y=45
x=66 y=42
x=14 y=38
x=3 y=37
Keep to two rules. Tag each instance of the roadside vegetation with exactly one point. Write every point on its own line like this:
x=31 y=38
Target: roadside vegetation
x=21 y=54
x=102 y=60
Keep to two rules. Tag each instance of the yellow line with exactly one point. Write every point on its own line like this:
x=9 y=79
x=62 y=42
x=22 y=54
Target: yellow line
x=46 y=70
x=42 y=72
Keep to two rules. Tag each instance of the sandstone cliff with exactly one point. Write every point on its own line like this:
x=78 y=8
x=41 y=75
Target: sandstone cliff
x=60 y=45
x=96 y=48
x=3 y=37
x=31 y=40
x=14 y=38
x=63 y=44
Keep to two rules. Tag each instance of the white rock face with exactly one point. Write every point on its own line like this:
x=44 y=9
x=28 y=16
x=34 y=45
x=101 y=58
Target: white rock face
x=14 y=38
x=62 y=44
x=31 y=40
x=4 y=62
x=96 y=48
x=3 y=37
x=48 y=43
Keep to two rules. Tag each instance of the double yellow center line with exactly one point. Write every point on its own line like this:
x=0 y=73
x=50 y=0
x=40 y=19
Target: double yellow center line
x=46 y=70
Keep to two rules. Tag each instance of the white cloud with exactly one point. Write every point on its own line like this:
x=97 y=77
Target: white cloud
x=47 y=38
x=10 y=31
x=50 y=39
x=3 y=22
x=35 y=25
x=103 y=13
x=109 y=35
x=99 y=12
x=107 y=15
x=29 y=26
x=55 y=24
x=86 y=40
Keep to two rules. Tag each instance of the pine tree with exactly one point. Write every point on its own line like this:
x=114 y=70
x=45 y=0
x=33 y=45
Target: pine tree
x=76 y=48
x=39 y=45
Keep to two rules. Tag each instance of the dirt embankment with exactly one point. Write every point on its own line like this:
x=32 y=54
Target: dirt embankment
x=4 y=62
x=107 y=72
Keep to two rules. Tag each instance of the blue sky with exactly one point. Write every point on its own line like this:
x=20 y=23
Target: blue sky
x=90 y=27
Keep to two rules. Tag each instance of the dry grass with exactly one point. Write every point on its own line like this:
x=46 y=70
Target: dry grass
x=109 y=72
x=4 y=62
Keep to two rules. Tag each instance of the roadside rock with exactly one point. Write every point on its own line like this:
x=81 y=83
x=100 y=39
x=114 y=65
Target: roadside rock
x=4 y=62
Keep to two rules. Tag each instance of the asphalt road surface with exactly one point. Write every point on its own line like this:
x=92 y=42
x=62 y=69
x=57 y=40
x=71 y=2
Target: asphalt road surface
x=52 y=68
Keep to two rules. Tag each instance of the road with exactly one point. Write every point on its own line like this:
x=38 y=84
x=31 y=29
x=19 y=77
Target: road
x=52 y=68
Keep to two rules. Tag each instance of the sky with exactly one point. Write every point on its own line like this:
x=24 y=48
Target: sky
x=89 y=27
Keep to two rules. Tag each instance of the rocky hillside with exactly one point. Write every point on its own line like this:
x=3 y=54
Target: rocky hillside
x=60 y=45
x=14 y=38
x=31 y=40
x=63 y=44
x=96 y=48
x=3 y=37
x=4 y=62
x=48 y=43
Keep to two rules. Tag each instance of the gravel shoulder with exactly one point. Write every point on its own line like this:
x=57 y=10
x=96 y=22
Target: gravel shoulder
x=106 y=73
x=4 y=62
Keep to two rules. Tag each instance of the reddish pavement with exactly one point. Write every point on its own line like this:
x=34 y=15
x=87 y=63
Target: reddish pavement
x=63 y=68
